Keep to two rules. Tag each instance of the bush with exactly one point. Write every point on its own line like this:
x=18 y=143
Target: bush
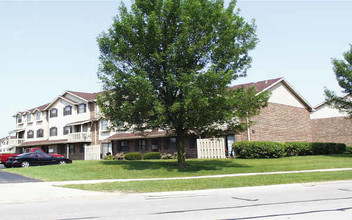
x=119 y=156
x=258 y=149
x=109 y=157
x=133 y=156
x=348 y=150
x=298 y=148
x=328 y=148
x=152 y=156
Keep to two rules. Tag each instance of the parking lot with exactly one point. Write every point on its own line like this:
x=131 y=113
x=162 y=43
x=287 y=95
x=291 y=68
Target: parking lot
x=6 y=177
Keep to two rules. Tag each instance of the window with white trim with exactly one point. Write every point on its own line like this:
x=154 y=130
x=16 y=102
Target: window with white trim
x=104 y=125
x=82 y=108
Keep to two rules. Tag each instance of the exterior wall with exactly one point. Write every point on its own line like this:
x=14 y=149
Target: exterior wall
x=61 y=121
x=337 y=129
x=280 y=123
x=280 y=94
x=34 y=125
x=164 y=147
x=326 y=111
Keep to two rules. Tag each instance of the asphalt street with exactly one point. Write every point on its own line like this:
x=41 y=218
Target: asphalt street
x=13 y=178
x=332 y=200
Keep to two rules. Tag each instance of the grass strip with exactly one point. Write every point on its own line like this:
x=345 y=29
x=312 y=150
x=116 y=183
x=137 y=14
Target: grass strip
x=88 y=170
x=213 y=183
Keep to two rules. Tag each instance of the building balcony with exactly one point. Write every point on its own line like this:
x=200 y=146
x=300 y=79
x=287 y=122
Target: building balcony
x=80 y=137
x=16 y=142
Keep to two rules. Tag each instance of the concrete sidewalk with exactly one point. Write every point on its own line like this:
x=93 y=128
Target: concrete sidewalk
x=195 y=177
x=15 y=193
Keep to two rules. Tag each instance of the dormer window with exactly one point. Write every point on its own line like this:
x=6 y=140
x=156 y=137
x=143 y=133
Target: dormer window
x=30 y=134
x=29 y=117
x=53 y=113
x=82 y=108
x=19 y=119
x=37 y=116
x=68 y=110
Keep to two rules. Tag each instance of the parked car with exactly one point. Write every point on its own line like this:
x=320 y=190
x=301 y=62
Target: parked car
x=35 y=159
x=5 y=156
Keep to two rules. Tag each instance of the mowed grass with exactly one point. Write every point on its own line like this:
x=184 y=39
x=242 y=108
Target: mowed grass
x=213 y=183
x=87 y=170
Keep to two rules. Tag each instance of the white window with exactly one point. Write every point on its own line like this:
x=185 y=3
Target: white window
x=53 y=113
x=29 y=117
x=37 y=115
x=19 y=119
x=68 y=110
x=82 y=108
x=104 y=125
x=53 y=131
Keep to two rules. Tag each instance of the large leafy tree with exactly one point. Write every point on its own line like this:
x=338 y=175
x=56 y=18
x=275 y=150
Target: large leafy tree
x=167 y=64
x=343 y=73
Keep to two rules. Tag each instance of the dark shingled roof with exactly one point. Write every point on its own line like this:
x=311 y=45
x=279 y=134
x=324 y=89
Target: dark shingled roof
x=85 y=95
x=259 y=86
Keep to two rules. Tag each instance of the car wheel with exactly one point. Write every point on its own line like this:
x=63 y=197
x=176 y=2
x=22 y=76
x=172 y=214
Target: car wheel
x=62 y=162
x=25 y=164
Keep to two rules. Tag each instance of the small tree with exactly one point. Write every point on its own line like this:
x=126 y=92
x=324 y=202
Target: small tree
x=343 y=72
x=167 y=64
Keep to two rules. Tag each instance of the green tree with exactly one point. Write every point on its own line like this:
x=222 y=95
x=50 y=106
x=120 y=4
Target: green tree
x=167 y=64
x=343 y=73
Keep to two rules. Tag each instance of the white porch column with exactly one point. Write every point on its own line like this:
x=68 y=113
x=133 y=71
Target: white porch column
x=67 y=150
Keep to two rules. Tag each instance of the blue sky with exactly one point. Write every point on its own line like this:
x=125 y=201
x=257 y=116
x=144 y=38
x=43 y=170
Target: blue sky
x=47 y=47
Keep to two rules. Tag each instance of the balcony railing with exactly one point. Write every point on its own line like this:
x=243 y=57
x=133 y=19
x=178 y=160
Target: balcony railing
x=16 y=142
x=80 y=137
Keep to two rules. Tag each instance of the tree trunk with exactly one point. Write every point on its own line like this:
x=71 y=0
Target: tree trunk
x=180 y=143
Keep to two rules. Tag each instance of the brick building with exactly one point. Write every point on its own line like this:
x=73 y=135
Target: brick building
x=73 y=121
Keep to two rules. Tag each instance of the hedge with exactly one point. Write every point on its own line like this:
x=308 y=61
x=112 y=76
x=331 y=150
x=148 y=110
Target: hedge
x=152 y=156
x=328 y=148
x=348 y=150
x=258 y=149
x=298 y=148
x=265 y=149
x=133 y=156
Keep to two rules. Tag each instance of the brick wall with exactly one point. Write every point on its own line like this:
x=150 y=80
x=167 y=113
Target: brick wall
x=338 y=129
x=281 y=123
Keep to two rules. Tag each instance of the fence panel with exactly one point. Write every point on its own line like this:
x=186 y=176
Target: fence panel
x=92 y=152
x=211 y=148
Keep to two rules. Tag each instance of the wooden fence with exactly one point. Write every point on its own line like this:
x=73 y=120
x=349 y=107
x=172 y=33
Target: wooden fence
x=92 y=152
x=211 y=148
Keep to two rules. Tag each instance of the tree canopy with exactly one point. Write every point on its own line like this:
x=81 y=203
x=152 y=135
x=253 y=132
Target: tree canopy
x=168 y=64
x=343 y=73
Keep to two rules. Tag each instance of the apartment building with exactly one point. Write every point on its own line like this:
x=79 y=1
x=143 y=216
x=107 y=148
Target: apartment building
x=65 y=126
x=72 y=121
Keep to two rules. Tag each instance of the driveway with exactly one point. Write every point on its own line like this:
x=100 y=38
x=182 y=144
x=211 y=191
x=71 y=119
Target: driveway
x=6 y=177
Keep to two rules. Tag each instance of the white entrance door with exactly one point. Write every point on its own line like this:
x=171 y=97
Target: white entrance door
x=230 y=140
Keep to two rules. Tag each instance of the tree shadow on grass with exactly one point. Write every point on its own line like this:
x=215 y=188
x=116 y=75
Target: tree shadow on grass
x=192 y=165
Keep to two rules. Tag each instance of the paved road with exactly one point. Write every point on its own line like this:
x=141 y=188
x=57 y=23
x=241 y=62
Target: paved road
x=294 y=201
x=13 y=178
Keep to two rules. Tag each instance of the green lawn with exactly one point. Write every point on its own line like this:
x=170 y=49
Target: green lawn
x=86 y=170
x=214 y=183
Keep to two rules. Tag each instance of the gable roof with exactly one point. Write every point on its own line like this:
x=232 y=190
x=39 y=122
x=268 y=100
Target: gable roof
x=264 y=85
x=259 y=86
x=325 y=102
x=89 y=97
x=32 y=110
